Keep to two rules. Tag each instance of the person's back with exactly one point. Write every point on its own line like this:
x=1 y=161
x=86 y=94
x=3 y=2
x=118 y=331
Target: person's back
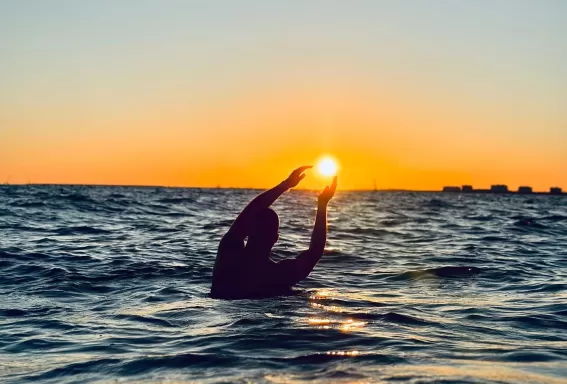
x=245 y=269
x=247 y=279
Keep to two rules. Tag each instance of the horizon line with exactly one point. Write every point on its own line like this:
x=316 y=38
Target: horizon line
x=481 y=190
x=210 y=187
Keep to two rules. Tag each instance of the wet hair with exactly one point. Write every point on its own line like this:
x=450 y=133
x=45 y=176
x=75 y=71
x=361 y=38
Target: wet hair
x=266 y=226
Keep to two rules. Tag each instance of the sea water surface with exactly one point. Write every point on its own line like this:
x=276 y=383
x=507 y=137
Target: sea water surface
x=111 y=284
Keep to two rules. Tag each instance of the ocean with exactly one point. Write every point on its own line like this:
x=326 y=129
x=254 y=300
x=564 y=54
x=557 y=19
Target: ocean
x=111 y=285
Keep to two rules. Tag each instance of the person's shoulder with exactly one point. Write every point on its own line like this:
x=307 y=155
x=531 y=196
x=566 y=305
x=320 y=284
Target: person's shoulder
x=230 y=238
x=230 y=243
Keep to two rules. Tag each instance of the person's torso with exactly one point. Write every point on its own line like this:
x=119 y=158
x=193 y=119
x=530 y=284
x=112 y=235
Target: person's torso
x=239 y=275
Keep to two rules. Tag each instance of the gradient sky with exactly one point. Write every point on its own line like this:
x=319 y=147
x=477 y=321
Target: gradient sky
x=414 y=94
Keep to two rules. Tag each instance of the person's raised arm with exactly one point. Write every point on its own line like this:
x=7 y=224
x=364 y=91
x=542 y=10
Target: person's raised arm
x=299 y=268
x=243 y=223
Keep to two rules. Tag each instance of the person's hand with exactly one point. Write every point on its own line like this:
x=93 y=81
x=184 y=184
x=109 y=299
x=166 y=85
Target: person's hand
x=296 y=176
x=328 y=192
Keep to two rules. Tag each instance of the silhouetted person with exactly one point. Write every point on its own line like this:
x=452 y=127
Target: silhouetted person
x=244 y=269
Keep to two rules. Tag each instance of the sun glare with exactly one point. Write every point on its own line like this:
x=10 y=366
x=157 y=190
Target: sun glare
x=327 y=166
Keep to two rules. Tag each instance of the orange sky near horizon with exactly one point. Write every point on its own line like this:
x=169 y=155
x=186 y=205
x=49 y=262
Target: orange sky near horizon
x=255 y=141
x=437 y=104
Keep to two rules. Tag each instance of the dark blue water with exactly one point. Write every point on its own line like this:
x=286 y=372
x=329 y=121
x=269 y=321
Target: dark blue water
x=111 y=284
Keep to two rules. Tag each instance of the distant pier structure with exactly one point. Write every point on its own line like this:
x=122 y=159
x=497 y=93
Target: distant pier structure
x=502 y=188
x=499 y=188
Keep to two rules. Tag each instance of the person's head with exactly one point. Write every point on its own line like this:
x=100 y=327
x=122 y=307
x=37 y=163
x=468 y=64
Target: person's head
x=266 y=228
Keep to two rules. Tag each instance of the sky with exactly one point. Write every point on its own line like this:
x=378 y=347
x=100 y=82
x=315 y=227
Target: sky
x=410 y=94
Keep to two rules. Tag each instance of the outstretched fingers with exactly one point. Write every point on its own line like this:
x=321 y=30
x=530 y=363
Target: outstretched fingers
x=328 y=192
x=334 y=185
x=302 y=169
x=296 y=176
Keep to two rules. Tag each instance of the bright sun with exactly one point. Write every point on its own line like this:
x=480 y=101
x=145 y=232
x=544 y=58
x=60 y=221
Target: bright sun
x=327 y=166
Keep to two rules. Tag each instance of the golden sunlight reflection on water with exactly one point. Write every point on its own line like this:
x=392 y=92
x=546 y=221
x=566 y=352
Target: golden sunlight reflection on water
x=319 y=321
x=343 y=353
x=325 y=322
x=350 y=324
x=320 y=295
x=343 y=325
x=328 y=308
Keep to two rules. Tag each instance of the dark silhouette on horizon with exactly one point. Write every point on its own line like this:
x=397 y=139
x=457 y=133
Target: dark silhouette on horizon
x=243 y=267
x=502 y=189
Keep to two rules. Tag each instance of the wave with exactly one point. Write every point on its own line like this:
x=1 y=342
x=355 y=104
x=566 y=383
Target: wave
x=554 y=218
x=81 y=230
x=447 y=272
x=338 y=355
x=437 y=203
x=531 y=357
x=529 y=222
x=399 y=318
x=177 y=200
